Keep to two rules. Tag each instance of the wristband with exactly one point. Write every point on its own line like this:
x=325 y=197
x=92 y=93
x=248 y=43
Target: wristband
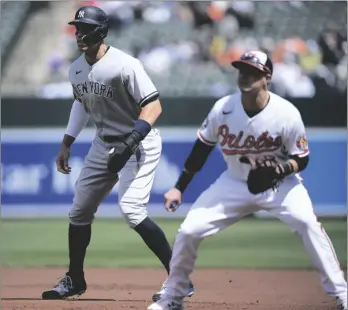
x=142 y=127
x=184 y=180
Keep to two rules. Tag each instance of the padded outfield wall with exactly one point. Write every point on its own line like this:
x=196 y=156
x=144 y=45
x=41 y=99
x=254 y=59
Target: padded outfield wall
x=31 y=186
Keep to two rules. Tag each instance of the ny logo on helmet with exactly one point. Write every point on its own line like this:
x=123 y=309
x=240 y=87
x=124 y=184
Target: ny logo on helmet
x=81 y=14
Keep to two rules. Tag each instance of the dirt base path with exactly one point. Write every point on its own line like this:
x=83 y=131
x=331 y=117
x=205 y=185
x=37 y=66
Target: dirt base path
x=218 y=289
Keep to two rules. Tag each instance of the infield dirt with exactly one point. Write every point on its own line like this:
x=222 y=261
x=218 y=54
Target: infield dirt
x=218 y=289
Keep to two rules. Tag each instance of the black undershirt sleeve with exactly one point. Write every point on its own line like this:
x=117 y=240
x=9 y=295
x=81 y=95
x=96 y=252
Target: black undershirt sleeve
x=195 y=161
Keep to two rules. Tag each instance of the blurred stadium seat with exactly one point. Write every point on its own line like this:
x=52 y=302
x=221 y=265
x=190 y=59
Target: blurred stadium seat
x=187 y=47
x=13 y=15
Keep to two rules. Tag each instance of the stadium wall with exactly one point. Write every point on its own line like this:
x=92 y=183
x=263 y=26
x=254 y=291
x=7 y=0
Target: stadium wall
x=32 y=188
x=326 y=109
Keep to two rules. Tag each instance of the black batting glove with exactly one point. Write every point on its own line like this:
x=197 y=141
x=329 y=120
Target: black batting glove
x=120 y=154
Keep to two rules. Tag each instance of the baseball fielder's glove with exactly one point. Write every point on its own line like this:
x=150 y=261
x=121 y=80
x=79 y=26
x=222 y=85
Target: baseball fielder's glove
x=263 y=175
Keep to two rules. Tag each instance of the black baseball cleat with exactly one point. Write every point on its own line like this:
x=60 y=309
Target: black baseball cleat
x=66 y=287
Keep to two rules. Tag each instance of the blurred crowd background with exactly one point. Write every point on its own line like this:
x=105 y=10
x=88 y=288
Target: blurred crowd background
x=186 y=47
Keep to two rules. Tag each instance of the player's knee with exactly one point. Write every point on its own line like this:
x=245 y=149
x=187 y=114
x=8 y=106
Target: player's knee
x=80 y=216
x=134 y=213
x=196 y=226
x=300 y=224
x=133 y=220
x=192 y=231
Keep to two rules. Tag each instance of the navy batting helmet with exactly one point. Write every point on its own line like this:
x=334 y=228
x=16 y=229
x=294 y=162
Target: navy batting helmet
x=256 y=59
x=92 y=15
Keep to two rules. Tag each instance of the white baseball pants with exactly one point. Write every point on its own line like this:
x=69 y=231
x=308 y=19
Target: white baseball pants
x=228 y=200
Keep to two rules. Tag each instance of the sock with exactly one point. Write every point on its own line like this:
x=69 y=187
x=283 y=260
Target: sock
x=79 y=238
x=156 y=240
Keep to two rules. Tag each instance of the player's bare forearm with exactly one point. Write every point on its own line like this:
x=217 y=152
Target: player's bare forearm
x=294 y=165
x=151 y=112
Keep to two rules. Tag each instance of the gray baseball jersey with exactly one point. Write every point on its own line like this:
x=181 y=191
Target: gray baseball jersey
x=113 y=90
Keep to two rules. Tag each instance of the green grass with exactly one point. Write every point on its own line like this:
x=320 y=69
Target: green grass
x=248 y=244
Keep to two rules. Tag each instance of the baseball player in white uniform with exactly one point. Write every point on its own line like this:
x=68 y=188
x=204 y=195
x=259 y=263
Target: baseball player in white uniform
x=263 y=141
x=113 y=89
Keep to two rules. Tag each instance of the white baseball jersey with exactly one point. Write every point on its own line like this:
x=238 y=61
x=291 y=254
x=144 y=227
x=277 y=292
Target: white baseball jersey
x=277 y=131
x=112 y=90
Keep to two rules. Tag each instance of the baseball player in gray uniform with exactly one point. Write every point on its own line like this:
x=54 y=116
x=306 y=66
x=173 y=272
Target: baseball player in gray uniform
x=113 y=89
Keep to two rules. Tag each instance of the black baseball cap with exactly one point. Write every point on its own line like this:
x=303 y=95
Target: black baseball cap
x=256 y=59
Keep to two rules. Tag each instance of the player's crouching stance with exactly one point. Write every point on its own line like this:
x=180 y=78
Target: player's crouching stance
x=263 y=141
x=114 y=90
